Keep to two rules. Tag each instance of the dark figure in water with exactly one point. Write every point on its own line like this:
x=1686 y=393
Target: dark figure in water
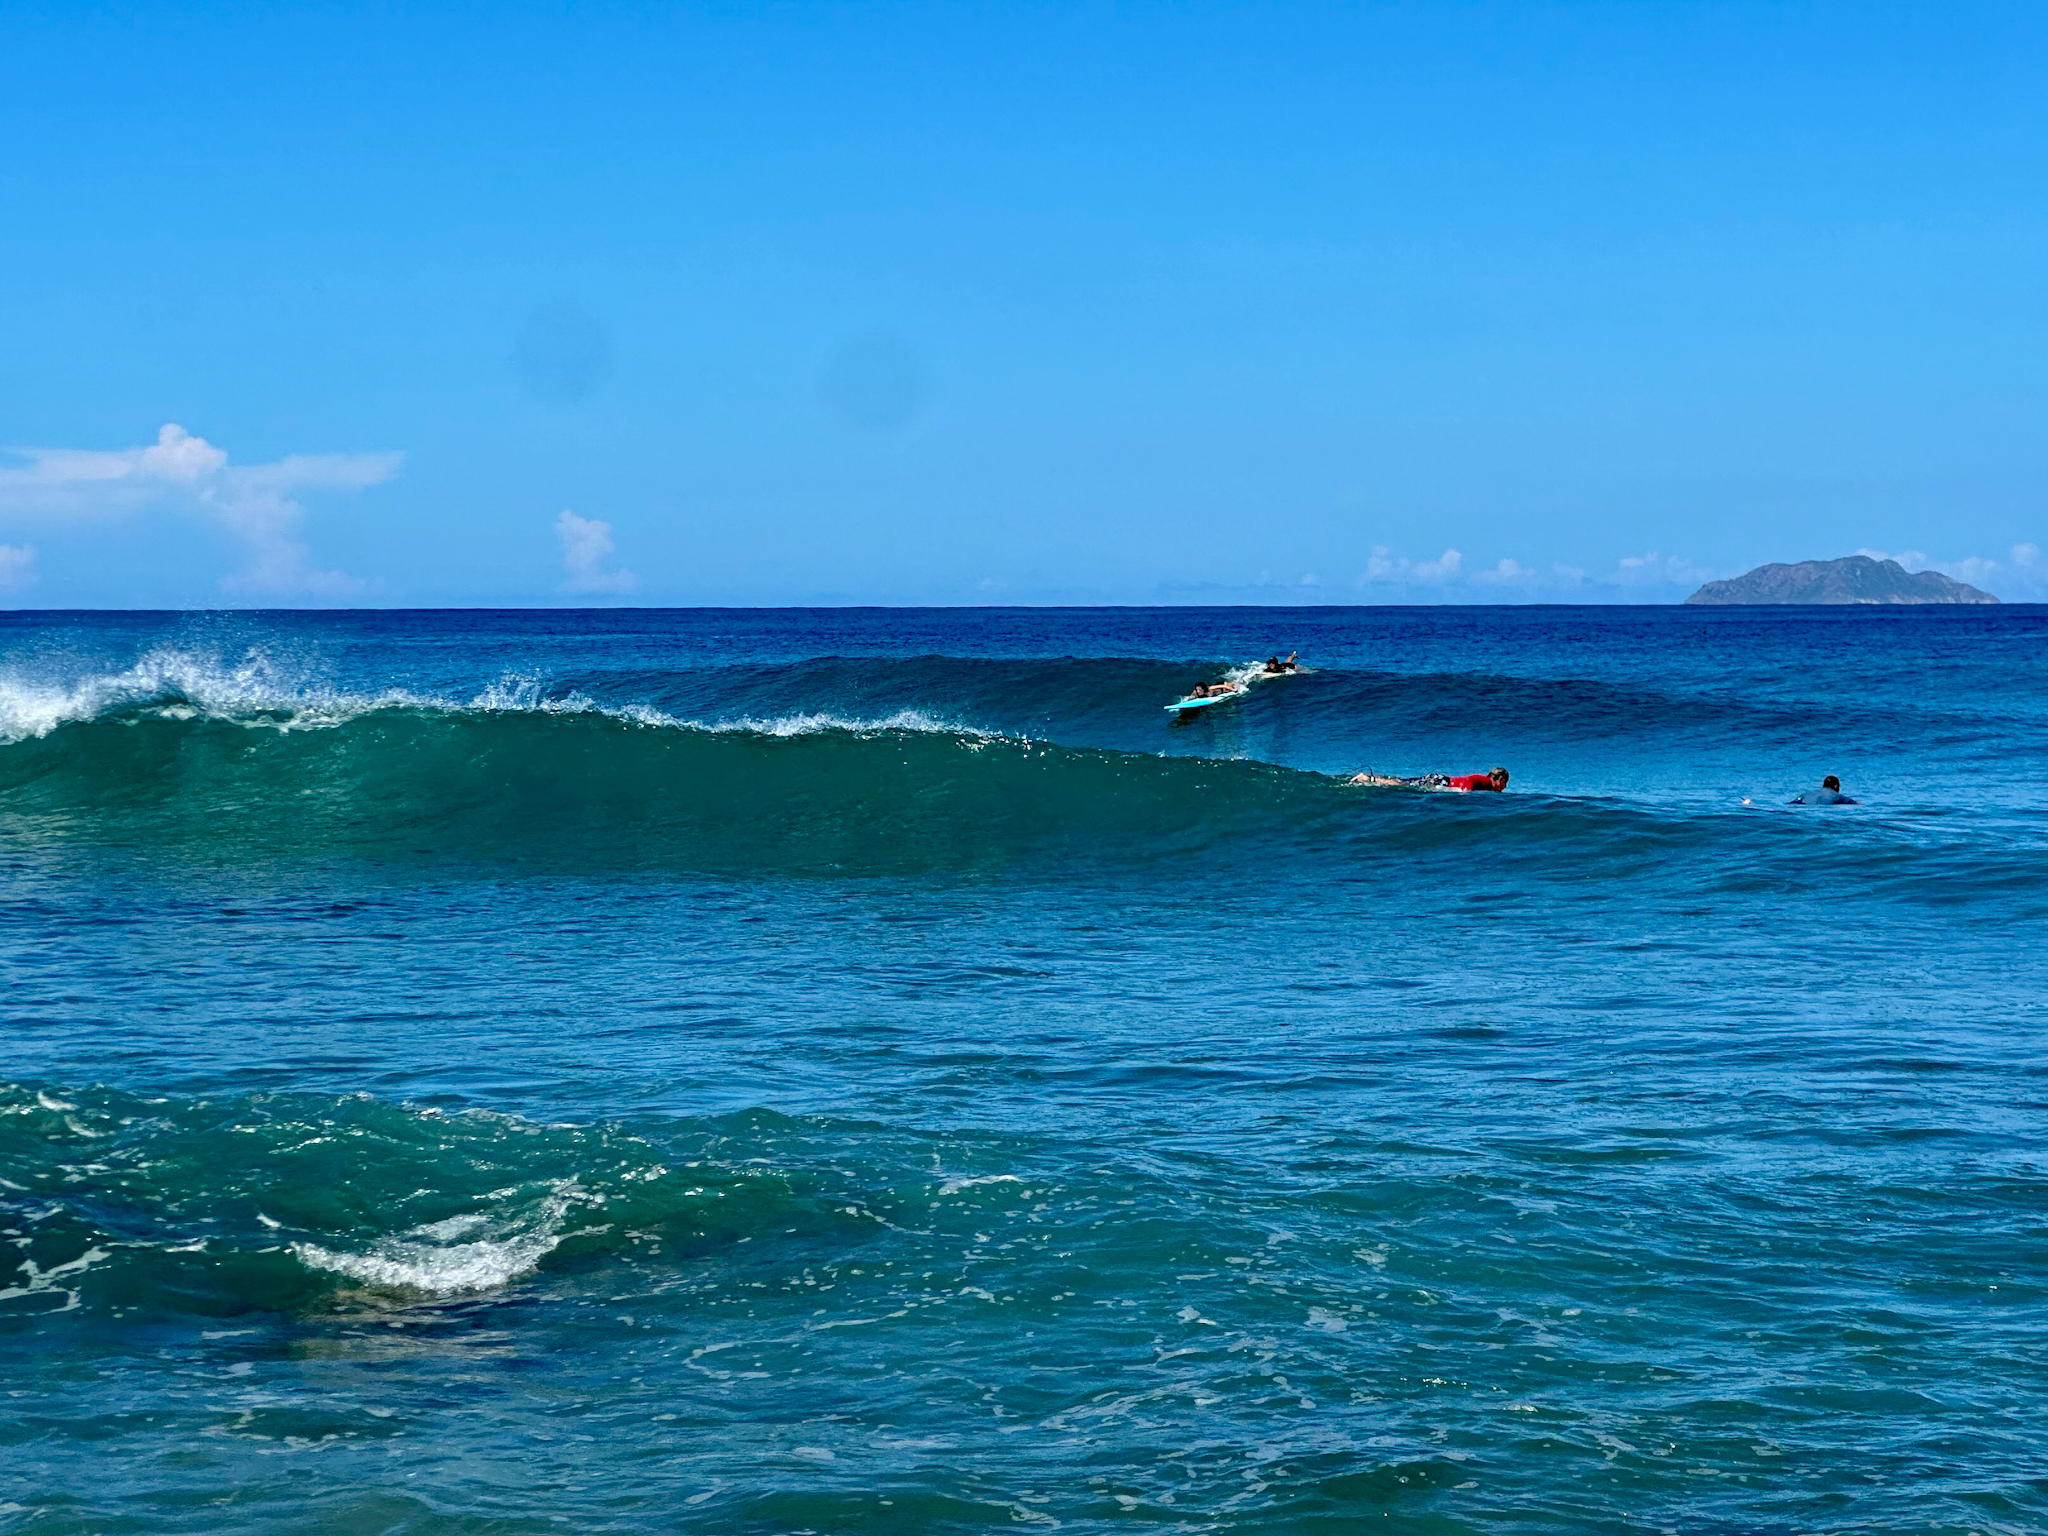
x=1275 y=666
x=1463 y=783
x=1829 y=793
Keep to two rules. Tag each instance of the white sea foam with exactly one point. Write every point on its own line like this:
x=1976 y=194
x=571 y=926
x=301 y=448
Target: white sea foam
x=51 y=1282
x=266 y=692
x=809 y=724
x=953 y=1186
x=436 y=1271
x=475 y=1251
x=184 y=684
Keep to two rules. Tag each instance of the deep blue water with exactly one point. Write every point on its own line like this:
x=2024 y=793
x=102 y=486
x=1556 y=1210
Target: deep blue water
x=879 y=1071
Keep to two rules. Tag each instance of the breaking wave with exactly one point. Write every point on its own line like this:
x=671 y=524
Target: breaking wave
x=830 y=768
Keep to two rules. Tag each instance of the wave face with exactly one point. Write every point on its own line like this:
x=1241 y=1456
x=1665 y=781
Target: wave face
x=627 y=1072
x=577 y=787
x=581 y=785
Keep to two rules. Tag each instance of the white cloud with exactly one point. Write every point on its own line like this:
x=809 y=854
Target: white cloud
x=586 y=546
x=1654 y=570
x=1651 y=577
x=1442 y=568
x=17 y=565
x=2019 y=577
x=1385 y=566
x=1911 y=559
x=257 y=503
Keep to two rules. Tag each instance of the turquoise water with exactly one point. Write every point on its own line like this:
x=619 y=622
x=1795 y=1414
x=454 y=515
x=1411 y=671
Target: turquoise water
x=877 y=1071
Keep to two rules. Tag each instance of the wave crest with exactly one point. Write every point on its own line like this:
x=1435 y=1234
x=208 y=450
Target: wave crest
x=262 y=690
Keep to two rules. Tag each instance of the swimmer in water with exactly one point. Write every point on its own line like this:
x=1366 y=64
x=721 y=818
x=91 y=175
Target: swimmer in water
x=1459 y=783
x=1829 y=793
x=1275 y=666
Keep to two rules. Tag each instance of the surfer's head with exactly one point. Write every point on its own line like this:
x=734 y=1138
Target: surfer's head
x=1831 y=782
x=1499 y=777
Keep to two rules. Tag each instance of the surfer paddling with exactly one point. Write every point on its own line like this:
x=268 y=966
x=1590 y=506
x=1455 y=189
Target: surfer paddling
x=1237 y=684
x=1829 y=793
x=1457 y=783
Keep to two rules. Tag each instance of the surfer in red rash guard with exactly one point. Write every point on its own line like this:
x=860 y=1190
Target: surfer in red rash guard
x=1496 y=781
x=1463 y=783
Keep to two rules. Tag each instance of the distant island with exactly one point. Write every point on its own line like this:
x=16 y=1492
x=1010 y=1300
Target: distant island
x=1856 y=579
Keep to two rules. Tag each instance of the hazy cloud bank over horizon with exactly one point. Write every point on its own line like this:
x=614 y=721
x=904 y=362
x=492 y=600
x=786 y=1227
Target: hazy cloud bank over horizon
x=80 y=499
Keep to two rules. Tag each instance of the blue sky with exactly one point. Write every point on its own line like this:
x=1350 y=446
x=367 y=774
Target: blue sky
x=892 y=303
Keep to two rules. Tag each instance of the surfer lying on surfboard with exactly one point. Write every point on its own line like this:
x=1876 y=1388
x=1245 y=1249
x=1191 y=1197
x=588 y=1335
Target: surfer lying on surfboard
x=1236 y=684
x=1460 y=783
x=1208 y=695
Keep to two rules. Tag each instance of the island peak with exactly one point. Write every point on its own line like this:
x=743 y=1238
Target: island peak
x=1853 y=579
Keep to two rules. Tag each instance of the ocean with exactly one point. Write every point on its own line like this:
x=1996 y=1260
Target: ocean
x=557 y=1073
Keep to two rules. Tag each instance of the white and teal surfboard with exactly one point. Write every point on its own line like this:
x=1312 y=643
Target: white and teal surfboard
x=1204 y=703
